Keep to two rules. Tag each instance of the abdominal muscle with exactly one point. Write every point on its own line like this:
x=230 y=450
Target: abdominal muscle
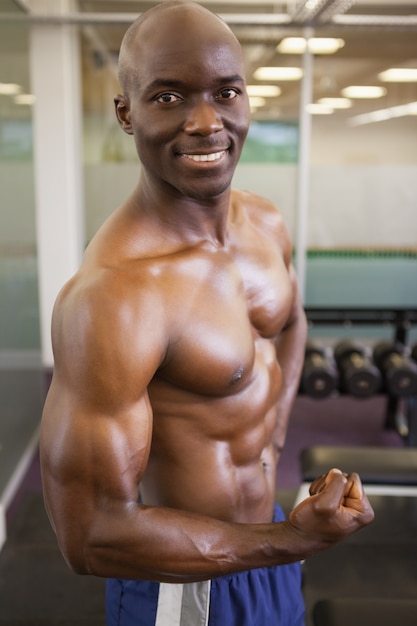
x=214 y=456
x=213 y=487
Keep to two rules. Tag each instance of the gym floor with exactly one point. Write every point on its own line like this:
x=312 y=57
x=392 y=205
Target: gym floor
x=37 y=588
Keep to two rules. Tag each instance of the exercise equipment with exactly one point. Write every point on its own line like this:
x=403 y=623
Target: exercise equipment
x=334 y=593
x=375 y=464
x=399 y=371
x=320 y=377
x=364 y=611
x=359 y=376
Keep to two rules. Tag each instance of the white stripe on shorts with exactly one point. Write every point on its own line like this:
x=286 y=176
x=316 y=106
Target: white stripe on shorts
x=183 y=605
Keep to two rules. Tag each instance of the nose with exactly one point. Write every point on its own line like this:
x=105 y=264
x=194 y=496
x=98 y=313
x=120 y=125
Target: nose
x=203 y=119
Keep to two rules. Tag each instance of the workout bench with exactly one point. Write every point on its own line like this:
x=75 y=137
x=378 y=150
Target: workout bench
x=366 y=612
x=382 y=470
x=370 y=579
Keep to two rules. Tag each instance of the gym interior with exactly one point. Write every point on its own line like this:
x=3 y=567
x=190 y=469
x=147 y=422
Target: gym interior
x=333 y=89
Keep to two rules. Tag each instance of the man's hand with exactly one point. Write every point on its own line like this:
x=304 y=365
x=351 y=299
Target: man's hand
x=336 y=508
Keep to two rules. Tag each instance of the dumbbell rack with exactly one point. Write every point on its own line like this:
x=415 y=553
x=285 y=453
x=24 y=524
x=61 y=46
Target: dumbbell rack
x=401 y=321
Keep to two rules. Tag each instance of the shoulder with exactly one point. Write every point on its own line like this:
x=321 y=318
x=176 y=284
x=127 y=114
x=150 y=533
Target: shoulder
x=258 y=208
x=100 y=291
x=252 y=199
x=107 y=325
x=264 y=215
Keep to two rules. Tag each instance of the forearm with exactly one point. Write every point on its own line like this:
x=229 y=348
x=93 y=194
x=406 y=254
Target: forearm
x=167 y=545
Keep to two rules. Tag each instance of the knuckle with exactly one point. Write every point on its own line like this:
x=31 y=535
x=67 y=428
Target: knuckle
x=323 y=508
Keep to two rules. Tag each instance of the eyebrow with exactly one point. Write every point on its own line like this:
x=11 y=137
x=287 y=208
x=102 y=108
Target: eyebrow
x=175 y=83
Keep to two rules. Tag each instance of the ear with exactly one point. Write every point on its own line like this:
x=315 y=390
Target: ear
x=123 y=114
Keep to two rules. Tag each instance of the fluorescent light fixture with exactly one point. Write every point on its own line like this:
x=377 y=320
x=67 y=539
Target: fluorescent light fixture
x=316 y=45
x=375 y=20
x=9 y=89
x=25 y=98
x=256 y=102
x=336 y=103
x=325 y=45
x=319 y=109
x=264 y=91
x=364 y=91
x=292 y=45
x=278 y=73
x=399 y=75
x=382 y=115
x=238 y=19
x=311 y=4
x=306 y=9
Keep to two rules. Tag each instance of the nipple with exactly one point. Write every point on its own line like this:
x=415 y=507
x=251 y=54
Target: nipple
x=238 y=375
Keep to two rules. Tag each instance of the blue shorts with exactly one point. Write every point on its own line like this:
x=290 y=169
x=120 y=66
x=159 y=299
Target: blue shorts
x=268 y=596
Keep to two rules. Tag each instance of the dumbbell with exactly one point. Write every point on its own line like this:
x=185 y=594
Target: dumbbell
x=359 y=376
x=398 y=370
x=320 y=377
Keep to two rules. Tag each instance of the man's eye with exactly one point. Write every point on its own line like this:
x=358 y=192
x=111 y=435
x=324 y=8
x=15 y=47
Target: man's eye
x=228 y=93
x=167 y=98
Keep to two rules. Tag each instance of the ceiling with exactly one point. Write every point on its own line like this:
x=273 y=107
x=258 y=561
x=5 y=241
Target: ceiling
x=377 y=35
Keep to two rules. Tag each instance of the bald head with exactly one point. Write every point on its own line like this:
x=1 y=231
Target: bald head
x=181 y=18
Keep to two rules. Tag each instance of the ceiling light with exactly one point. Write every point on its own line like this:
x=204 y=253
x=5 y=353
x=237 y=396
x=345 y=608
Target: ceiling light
x=251 y=19
x=364 y=91
x=383 y=21
x=399 y=75
x=384 y=114
x=9 y=89
x=311 y=4
x=318 y=109
x=306 y=10
x=333 y=8
x=316 y=45
x=336 y=103
x=292 y=45
x=256 y=102
x=323 y=10
x=25 y=98
x=278 y=73
x=265 y=91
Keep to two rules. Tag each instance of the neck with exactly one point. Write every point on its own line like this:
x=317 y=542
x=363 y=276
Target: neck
x=184 y=217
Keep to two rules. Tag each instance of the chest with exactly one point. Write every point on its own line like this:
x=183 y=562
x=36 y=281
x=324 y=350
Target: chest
x=226 y=306
x=267 y=287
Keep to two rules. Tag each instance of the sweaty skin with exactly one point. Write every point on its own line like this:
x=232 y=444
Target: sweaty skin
x=178 y=344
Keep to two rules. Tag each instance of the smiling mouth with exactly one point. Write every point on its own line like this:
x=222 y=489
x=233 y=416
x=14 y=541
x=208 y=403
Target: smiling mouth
x=204 y=158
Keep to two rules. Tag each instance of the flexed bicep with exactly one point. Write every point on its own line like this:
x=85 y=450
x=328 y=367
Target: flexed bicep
x=92 y=464
x=97 y=420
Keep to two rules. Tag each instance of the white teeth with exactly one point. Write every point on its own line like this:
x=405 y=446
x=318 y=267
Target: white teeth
x=205 y=157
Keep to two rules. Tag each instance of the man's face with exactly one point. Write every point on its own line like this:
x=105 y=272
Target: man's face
x=189 y=110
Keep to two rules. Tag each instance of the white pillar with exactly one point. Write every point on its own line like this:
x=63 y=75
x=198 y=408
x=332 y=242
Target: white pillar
x=55 y=82
x=303 y=185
